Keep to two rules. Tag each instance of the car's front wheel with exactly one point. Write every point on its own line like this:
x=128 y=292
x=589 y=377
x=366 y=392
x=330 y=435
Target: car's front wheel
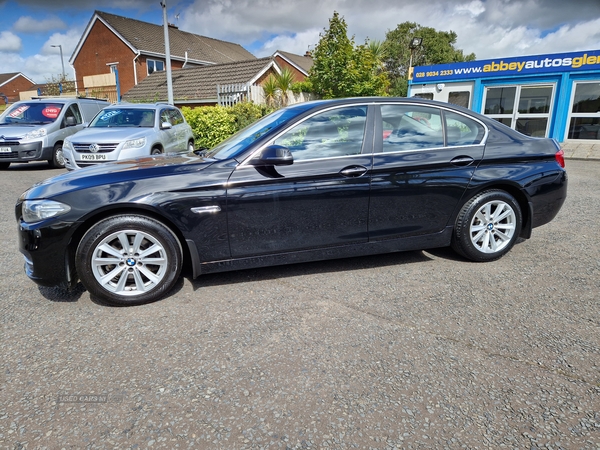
x=487 y=226
x=190 y=146
x=58 y=160
x=129 y=260
x=4 y=165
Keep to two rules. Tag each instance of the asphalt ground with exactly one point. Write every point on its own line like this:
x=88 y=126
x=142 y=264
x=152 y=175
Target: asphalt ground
x=410 y=350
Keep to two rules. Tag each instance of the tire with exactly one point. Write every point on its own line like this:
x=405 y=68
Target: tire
x=58 y=159
x=141 y=275
x=487 y=226
x=156 y=151
x=4 y=165
x=190 y=147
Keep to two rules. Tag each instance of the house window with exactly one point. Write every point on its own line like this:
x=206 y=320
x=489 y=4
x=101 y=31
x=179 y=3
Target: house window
x=155 y=66
x=584 y=121
x=525 y=108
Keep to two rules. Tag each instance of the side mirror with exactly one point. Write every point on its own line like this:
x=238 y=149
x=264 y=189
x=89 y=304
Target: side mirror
x=166 y=126
x=273 y=155
x=70 y=121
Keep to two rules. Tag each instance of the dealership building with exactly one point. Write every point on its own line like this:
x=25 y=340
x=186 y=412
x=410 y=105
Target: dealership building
x=555 y=95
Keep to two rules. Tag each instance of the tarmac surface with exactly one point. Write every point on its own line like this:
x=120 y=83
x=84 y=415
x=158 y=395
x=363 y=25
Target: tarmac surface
x=412 y=350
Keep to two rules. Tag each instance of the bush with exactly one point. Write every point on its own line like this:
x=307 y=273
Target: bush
x=213 y=124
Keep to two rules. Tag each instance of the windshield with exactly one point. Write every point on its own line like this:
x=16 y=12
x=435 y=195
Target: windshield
x=124 y=117
x=240 y=141
x=34 y=113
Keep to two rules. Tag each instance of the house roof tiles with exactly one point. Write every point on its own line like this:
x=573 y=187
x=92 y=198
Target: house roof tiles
x=198 y=82
x=149 y=38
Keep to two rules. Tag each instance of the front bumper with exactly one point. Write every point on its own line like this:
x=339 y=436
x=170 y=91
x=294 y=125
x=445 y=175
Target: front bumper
x=45 y=249
x=23 y=152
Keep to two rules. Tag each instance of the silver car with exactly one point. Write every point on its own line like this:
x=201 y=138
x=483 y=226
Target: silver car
x=126 y=131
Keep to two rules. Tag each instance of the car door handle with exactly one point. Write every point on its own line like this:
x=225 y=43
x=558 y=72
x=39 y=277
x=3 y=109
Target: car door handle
x=462 y=160
x=353 y=171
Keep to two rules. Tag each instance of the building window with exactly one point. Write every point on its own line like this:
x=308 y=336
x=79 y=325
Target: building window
x=424 y=95
x=461 y=98
x=584 y=122
x=525 y=108
x=155 y=66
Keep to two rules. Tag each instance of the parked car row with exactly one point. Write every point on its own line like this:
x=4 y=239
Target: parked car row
x=79 y=132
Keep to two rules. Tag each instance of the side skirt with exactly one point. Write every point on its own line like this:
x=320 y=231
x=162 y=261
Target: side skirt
x=441 y=239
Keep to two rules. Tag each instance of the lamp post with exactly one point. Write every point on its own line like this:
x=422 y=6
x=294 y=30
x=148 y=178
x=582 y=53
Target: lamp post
x=414 y=44
x=163 y=4
x=61 y=61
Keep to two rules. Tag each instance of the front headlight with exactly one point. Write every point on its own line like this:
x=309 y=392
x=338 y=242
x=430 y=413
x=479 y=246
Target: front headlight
x=35 y=134
x=38 y=210
x=67 y=145
x=134 y=143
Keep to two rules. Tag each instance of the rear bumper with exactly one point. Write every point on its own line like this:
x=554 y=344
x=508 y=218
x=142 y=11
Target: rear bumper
x=547 y=199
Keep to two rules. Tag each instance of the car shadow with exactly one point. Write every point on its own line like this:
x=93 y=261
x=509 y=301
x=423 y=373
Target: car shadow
x=61 y=294
x=332 y=266
x=31 y=166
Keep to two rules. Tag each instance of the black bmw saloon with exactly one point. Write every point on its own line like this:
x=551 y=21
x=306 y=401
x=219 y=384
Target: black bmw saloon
x=313 y=181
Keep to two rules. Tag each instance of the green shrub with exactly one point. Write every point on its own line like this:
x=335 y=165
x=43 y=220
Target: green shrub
x=213 y=124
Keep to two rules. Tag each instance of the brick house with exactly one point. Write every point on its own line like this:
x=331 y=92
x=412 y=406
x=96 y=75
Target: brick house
x=11 y=85
x=139 y=49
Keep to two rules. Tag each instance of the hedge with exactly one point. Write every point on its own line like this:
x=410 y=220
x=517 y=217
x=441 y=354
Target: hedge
x=213 y=124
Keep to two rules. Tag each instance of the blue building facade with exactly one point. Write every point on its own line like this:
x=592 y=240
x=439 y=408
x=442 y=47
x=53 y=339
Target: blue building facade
x=554 y=95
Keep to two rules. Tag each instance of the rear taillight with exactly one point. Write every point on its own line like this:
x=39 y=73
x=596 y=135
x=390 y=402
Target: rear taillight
x=560 y=158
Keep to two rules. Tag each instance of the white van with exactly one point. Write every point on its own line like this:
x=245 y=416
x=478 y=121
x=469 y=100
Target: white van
x=34 y=130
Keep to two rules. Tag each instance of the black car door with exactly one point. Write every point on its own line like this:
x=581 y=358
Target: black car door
x=320 y=200
x=424 y=160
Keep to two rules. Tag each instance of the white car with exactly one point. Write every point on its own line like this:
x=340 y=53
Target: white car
x=125 y=131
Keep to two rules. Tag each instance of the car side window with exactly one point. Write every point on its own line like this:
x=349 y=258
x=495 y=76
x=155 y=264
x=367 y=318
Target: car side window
x=411 y=127
x=176 y=117
x=165 y=117
x=462 y=130
x=73 y=111
x=337 y=132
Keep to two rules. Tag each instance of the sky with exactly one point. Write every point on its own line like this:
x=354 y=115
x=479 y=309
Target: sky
x=488 y=28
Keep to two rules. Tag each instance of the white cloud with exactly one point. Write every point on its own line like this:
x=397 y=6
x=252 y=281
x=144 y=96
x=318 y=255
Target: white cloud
x=10 y=42
x=298 y=43
x=27 y=24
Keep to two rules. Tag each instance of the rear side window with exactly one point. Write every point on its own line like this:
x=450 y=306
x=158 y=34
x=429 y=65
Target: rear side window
x=176 y=117
x=462 y=130
x=411 y=127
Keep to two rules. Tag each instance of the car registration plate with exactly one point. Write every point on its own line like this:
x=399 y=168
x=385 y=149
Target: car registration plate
x=5 y=149
x=93 y=157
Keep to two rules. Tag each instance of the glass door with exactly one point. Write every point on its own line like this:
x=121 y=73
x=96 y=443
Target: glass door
x=525 y=108
x=584 y=120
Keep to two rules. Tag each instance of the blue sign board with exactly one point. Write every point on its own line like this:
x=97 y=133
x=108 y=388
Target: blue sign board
x=522 y=65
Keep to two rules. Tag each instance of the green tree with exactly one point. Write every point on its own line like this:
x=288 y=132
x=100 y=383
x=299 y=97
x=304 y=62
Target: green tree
x=270 y=89
x=437 y=47
x=284 y=81
x=342 y=70
x=377 y=49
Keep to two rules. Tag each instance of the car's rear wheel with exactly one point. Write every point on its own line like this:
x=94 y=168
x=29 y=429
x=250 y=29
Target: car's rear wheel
x=4 y=165
x=58 y=160
x=129 y=260
x=487 y=226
